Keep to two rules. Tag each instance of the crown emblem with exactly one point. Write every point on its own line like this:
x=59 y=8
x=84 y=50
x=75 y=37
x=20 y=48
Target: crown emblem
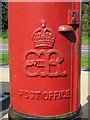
x=43 y=37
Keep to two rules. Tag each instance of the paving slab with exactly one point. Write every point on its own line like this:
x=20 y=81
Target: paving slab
x=84 y=93
x=4 y=117
x=4 y=79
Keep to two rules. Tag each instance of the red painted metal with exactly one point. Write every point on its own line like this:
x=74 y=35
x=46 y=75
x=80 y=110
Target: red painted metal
x=44 y=60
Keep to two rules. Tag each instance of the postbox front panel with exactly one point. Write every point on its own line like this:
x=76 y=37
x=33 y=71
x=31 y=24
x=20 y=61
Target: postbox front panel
x=40 y=58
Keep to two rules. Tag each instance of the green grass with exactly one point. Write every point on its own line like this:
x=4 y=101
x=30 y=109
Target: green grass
x=4 y=37
x=85 y=40
x=85 y=61
x=4 y=59
x=2 y=41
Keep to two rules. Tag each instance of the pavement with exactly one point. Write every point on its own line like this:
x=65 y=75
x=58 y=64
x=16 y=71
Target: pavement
x=85 y=49
x=3 y=48
x=85 y=94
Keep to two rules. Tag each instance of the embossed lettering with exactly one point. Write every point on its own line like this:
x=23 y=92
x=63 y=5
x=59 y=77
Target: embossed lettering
x=56 y=94
x=37 y=93
x=63 y=94
x=36 y=63
x=45 y=63
x=50 y=95
x=56 y=63
x=68 y=93
x=21 y=92
x=45 y=95
x=32 y=95
x=26 y=94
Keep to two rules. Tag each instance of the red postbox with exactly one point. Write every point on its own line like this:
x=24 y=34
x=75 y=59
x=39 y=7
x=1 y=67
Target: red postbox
x=44 y=57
